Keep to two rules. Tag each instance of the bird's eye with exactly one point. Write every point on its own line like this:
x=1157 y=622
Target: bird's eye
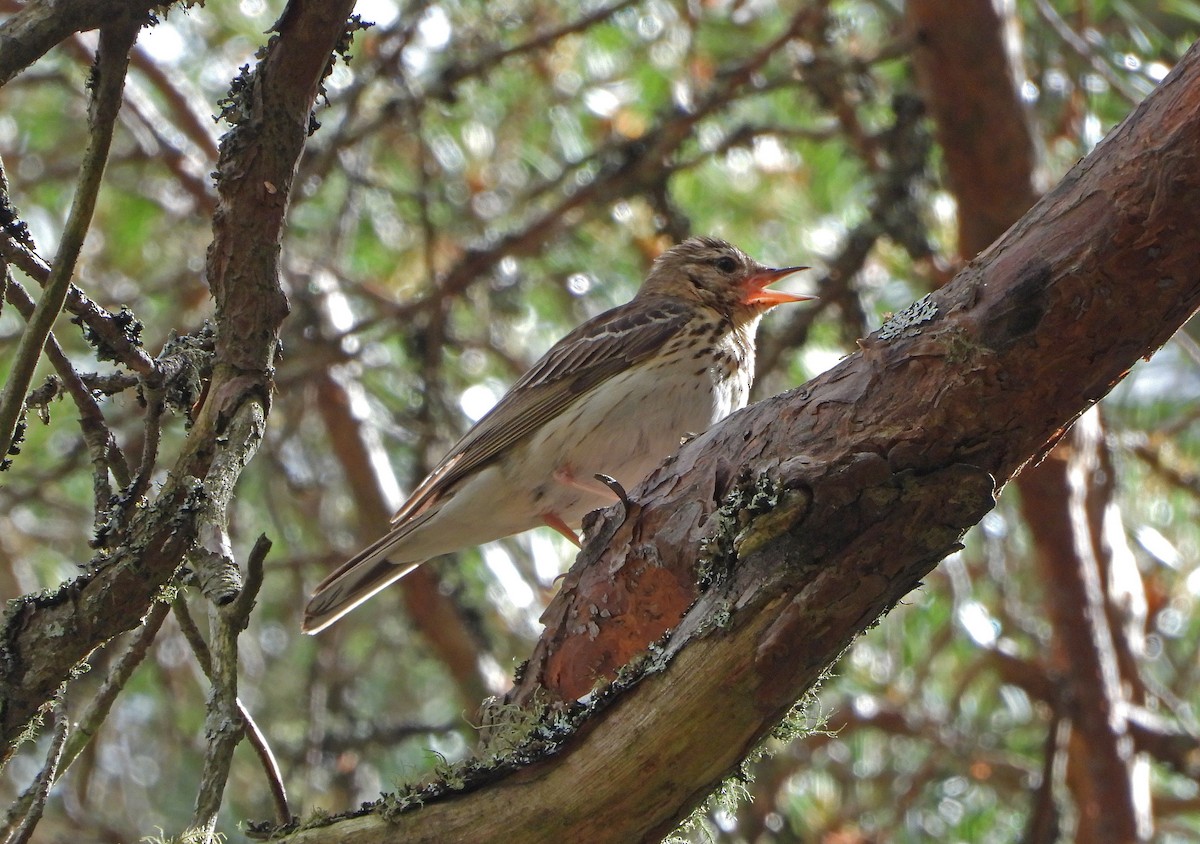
x=726 y=264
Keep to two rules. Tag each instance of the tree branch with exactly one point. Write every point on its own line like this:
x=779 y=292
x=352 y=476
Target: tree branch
x=813 y=512
x=112 y=60
x=42 y=24
x=46 y=636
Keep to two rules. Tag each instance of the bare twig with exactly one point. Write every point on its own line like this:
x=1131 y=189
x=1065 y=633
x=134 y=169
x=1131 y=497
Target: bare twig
x=98 y=708
x=456 y=73
x=1081 y=47
x=112 y=61
x=368 y=733
x=107 y=330
x=105 y=452
x=33 y=801
x=240 y=609
x=187 y=118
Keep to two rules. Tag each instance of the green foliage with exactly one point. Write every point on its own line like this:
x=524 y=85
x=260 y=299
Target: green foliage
x=470 y=196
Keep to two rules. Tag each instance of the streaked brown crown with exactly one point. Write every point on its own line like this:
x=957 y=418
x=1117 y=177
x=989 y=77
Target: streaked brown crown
x=709 y=272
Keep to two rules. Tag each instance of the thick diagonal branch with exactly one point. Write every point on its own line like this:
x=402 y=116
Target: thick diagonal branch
x=838 y=497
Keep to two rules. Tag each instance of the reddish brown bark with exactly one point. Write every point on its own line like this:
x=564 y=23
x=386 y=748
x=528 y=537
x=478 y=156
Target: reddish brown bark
x=971 y=91
x=1101 y=768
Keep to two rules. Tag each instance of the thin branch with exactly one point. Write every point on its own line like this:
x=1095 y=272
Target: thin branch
x=456 y=73
x=112 y=61
x=369 y=734
x=107 y=331
x=187 y=119
x=34 y=28
x=1081 y=47
x=224 y=724
x=200 y=648
x=33 y=801
x=1152 y=455
x=105 y=452
x=100 y=705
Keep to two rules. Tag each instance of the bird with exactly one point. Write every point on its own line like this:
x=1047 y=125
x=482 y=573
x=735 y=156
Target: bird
x=615 y=397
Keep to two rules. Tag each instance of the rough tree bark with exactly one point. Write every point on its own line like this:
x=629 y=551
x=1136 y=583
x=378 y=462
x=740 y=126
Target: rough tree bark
x=970 y=78
x=812 y=513
x=46 y=636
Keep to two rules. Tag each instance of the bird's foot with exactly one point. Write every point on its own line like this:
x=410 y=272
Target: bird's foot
x=565 y=475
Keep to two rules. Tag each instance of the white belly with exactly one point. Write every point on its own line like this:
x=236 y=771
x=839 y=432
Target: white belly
x=624 y=429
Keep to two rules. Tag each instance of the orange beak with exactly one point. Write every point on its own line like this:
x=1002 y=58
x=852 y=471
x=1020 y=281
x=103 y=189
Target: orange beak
x=757 y=293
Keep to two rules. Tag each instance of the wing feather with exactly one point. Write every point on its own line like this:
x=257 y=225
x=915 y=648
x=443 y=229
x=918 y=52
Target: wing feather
x=580 y=362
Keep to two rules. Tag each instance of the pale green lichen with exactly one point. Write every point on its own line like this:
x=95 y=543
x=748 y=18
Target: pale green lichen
x=751 y=515
x=785 y=510
x=798 y=723
x=908 y=322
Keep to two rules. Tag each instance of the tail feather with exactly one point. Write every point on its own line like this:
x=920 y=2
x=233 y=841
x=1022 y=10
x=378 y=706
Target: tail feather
x=364 y=574
x=349 y=587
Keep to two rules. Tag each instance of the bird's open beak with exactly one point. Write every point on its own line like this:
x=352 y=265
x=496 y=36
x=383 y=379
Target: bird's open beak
x=758 y=294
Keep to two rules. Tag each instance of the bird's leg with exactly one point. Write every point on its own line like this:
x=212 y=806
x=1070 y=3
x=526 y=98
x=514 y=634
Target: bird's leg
x=565 y=476
x=559 y=525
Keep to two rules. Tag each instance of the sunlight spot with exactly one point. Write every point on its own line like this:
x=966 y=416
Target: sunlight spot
x=601 y=102
x=945 y=208
x=770 y=156
x=435 y=29
x=865 y=706
x=980 y=626
x=163 y=42
x=817 y=360
x=477 y=400
x=579 y=284
x=378 y=12
x=550 y=554
x=824 y=238
x=515 y=588
x=1157 y=546
x=1157 y=71
x=1092 y=131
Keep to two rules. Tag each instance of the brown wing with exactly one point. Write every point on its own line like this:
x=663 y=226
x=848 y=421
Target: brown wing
x=591 y=354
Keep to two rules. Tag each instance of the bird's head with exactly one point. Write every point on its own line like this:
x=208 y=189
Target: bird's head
x=720 y=276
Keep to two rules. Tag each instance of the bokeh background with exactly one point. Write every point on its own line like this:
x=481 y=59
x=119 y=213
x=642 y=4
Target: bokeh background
x=487 y=175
